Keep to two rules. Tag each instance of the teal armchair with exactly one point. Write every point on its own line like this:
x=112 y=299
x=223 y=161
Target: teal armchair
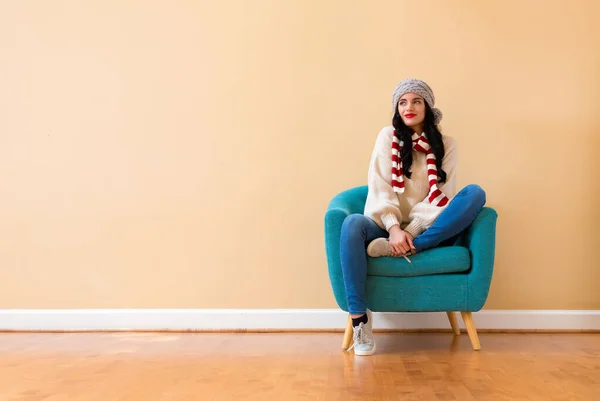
x=452 y=278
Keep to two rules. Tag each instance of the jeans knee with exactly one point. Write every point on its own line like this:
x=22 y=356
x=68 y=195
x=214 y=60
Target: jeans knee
x=477 y=193
x=353 y=224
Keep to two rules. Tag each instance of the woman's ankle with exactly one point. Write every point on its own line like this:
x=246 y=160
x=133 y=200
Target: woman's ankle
x=356 y=321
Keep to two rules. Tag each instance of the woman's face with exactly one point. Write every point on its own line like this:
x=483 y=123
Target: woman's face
x=411 y=108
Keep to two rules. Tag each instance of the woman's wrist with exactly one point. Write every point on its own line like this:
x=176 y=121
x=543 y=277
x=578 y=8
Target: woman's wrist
x=395 y=228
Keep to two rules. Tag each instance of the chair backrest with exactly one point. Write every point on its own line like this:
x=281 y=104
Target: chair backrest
x=352 y=200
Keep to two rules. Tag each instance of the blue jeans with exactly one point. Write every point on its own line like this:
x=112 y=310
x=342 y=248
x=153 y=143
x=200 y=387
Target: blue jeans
x=358 y=231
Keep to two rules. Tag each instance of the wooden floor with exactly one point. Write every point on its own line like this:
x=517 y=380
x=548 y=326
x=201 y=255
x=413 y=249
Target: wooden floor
x=310 y=366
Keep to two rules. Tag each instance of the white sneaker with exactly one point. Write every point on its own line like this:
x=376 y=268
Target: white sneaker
x=381 y=247
x=363 y=342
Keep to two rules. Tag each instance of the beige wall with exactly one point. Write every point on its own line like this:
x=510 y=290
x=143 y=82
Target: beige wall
x=181 y=155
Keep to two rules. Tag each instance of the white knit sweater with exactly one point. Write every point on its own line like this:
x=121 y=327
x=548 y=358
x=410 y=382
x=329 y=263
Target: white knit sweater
x=411 y=209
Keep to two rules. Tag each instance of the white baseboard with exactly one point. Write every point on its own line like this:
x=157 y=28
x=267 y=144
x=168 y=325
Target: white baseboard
x=281 y=319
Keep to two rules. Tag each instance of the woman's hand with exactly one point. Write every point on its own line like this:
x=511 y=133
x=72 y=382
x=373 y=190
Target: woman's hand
x=400 y=241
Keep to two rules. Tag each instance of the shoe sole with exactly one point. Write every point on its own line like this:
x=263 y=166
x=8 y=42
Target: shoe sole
x=365 y=353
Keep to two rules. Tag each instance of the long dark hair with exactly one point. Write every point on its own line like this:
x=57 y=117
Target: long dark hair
x=434 y=136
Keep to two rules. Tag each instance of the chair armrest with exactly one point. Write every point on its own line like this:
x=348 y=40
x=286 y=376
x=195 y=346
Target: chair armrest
x=341 y=206
x=334 y=218
x=480 y=239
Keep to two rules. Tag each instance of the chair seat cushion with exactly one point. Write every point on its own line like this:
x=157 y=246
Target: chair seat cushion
x=448 y=259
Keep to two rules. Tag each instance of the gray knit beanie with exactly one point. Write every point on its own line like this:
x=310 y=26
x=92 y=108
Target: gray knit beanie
x=411 y=85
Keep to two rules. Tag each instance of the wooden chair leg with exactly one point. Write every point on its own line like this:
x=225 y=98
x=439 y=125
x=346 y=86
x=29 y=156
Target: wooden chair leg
x=348 y=334
x=468 y=319
x=453 y=323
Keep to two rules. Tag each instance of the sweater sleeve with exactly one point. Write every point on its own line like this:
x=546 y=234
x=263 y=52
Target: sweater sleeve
x=382 y=205
x=423 y=214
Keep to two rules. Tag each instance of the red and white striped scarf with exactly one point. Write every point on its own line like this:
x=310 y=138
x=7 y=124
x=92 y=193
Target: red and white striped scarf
x=436 y=196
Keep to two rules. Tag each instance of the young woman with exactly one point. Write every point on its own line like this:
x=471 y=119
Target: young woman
x=412 y=204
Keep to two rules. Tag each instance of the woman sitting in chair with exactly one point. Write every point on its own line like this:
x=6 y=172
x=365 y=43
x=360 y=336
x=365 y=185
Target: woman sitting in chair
x=412 y=204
